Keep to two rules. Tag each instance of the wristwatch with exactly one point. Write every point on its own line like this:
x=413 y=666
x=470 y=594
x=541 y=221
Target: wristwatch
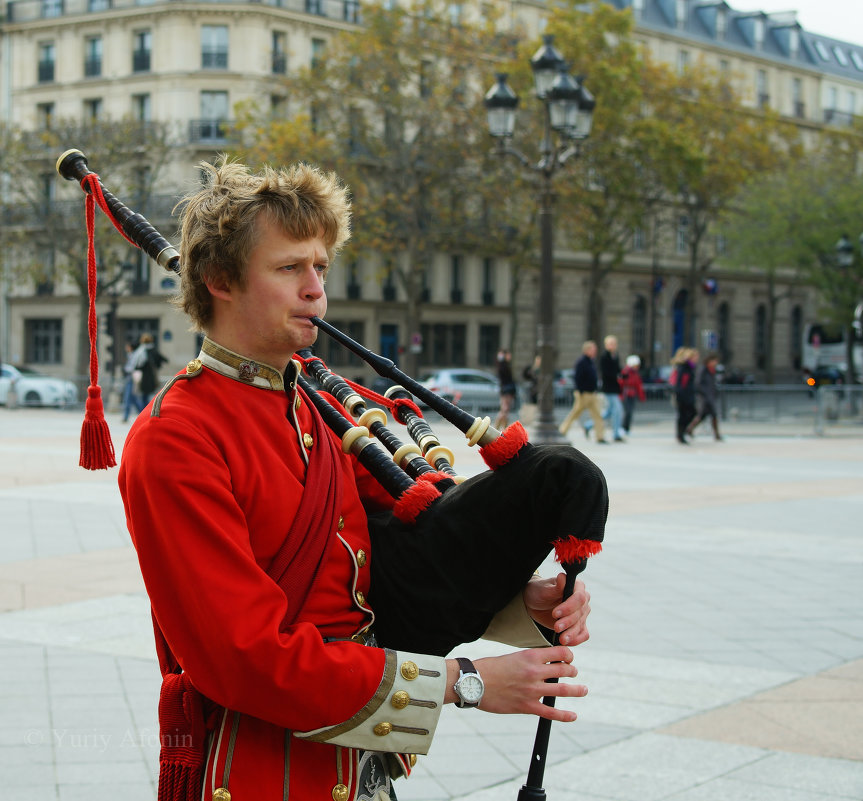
x=469 y=687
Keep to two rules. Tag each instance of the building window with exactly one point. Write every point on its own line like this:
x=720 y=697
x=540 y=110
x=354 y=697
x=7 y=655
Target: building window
x=683 y=234
x=352 y=276
x=315 y=7
x=52 y=8
x=723 y=325
x=488 y=282
x=47 y=58
x=278 y=107
x=44 y=116
x=799 y=107
x=455 y=290
x=639 y=325
x=682 y=61
x=98 y=5
x=214 y=47
x=47 y=187
x=446 y=344
x=759 y=32
x=44 y=341
x=214 y=116
x=280 y=53
x=796 y=337
x=143 y=47
x=351 y=11
x=93 y=109
x=318 y=47
x=336 y=355
x=822 y=51
x=680 y=13
x=93 y=57
x=760 y=339
x=489 y=344
x=639 y=239
x=761 y=88
x=142 y=107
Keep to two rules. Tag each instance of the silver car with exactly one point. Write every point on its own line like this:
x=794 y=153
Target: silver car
x=470 y=389
x=35 y=389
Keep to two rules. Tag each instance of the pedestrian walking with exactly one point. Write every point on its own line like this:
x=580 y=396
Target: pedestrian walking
x=585 y=396
x=684 y=390
x=527 y=413
x=631 y=389
x=131 y=384
x=507 y=389
x=707 y=394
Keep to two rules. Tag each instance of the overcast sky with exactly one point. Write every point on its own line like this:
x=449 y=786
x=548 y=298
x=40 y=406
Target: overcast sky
x=841 y=19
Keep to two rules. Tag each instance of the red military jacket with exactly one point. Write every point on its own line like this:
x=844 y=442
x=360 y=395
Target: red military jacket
x=211 y=475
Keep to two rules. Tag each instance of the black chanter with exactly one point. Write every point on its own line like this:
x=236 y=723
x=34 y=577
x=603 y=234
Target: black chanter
x=450 y=555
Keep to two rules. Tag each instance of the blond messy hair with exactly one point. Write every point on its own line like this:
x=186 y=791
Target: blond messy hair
x=218 y=224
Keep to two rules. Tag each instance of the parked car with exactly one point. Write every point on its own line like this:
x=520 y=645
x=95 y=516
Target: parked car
x=823 y=374
x=657 y=381
x=464 y=387
x=34 y=388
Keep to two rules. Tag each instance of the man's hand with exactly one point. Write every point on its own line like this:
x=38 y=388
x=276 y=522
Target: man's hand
x=516 y=683
x=568 y=619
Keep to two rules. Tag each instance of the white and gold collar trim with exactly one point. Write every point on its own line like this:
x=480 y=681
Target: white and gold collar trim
x=247 y=371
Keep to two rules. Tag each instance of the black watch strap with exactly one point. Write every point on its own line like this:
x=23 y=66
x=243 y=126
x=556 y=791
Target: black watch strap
x=465 y=665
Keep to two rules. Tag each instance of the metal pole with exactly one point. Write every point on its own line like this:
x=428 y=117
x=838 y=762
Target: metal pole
x=545 y=429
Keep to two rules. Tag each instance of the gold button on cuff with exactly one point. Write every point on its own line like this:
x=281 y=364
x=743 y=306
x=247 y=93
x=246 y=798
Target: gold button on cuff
x=341 y=522
x=400 y=699
x=308 y=440
x=361 y=599
x=361 y=557
x=340 y=793
x=383 y=729
x=409 y=670
x=412 y=758
x=221 y=794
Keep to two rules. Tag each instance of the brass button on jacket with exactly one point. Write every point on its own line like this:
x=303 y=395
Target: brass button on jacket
x=383 y=729
x=308 y=440
x=361 y=599
x=361 y=557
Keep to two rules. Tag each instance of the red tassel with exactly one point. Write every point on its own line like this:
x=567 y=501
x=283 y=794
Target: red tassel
x=97 y=450
x=573 y=550
x=505 y=447
x=182 y=735
x=414 y=500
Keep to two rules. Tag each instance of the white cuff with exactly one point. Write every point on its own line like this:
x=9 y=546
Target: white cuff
x=402 y=715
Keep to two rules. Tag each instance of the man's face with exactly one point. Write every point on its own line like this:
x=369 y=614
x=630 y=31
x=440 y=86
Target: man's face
x=284 y=288
x=591 y=351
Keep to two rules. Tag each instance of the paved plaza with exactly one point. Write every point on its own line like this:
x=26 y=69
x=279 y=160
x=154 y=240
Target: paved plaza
x=725 y=661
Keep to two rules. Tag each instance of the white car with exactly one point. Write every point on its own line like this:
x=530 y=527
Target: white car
x=35 y=389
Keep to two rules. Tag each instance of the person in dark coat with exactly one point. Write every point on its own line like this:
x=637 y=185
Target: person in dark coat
x=585 y=395
x=707 y=395
x=684 y=390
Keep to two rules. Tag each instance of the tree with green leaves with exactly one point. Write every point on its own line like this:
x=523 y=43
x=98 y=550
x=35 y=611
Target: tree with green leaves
x=795 y=220
x=721 y=144
x=46 y=239
x=394 y=108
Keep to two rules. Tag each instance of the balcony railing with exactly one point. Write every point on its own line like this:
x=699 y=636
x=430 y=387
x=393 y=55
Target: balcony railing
x=46 y=71
x=31 y=10
x=833 y=116
x=214 y=59
x=210 y=130
x=92 y=67
x=141 y=61
x=280 y=63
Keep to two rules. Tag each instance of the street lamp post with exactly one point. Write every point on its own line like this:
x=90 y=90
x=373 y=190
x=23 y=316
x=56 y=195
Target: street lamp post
x=568 y=115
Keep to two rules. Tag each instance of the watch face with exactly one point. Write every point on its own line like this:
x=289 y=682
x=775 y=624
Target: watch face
x=470 y=687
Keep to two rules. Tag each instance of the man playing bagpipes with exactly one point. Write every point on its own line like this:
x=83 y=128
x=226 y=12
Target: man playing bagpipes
x=252 y=528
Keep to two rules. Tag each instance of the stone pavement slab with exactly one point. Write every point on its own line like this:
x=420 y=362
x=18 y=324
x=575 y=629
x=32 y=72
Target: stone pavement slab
x=729 y=587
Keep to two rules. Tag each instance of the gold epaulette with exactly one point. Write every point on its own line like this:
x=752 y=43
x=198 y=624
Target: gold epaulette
x=193 y=368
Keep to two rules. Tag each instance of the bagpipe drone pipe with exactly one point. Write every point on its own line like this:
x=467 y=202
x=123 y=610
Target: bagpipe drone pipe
x=452 y=553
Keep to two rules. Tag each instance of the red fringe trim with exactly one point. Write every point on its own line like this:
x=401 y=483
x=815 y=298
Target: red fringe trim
x=505 y=447
x=97 y=450
x=415 y=500
x=434 y=477
x=573 y=550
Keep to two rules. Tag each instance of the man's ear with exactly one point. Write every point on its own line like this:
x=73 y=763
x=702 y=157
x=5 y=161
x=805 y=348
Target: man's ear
x=218 y=285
